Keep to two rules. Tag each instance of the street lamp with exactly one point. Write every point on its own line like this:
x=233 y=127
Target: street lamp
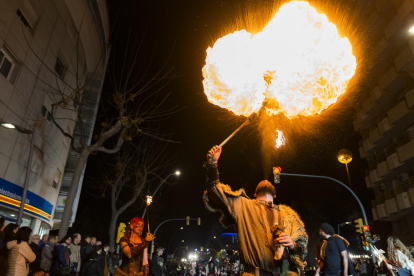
x=177 y=173
x=345 y=156
x=411 y=30
x=20 y=129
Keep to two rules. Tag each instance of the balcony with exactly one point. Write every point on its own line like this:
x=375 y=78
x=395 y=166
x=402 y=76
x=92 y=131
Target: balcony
x=397 y=27
x=384 y=125
x=374 y=136
x=393 y=161
x=373 y=176
x=376 y=93
x=392 y=80
x=368 y=182
x=367 y=105
x=404 y=62
x=409 y=97
x=406 y=151
x=362 y=153
x=367 y=145
x=403 y=198
x=398 y=112
x=391 y=202
x=382 y=169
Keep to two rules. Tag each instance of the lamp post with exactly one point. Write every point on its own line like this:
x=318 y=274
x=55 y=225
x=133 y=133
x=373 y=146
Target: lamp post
x=20 y=129
x=345 y=156
x=177 y=173
x=342 y=224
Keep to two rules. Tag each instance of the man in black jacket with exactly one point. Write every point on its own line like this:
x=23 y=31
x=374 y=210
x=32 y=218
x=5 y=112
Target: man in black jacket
x=157 y=262
x=86 y=247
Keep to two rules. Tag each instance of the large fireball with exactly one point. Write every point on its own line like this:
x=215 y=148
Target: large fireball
x=298 y=65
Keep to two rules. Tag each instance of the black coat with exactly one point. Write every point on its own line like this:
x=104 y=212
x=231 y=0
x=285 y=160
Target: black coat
x=91 y=268
x=156 y=270
x=86 y=248
x=35 y=265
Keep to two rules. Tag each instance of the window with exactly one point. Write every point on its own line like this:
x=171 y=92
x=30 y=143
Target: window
x=6 y=64
x=24 y=20
x=46 y=114
x=60 y=67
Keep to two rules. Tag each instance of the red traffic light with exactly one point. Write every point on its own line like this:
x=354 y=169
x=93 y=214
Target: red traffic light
x=366 y=227
x=277 y=170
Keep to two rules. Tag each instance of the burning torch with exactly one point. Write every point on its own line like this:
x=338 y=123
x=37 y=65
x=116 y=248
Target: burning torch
x=149 y=201
x=248 y=121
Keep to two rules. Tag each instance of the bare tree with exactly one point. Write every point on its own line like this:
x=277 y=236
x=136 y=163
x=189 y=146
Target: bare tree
x=135 y=101
x=126 y=175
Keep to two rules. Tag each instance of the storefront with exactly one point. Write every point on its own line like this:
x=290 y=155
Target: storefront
x=37 y=211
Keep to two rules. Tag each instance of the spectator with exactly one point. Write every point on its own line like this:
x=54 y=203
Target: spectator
x=2 y=226
x=93 y=241
x=105 y=253
x=92 y=266
x=86 y=247
x=34 y=245
x=112 y=263
x=62 y=264
x=362 y=268
x=75 y=253
x=370 y=268
x=43 y=241
x=9 y=235
x=211 y=269
x=20 y=253
x=48 y=253
x=100 y=257
x=156 y=268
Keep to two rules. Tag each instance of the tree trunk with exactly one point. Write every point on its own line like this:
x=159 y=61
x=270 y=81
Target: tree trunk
x=112 y=231
x=73 y=188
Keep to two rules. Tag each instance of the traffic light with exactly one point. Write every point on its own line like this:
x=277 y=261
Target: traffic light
x=359 y=225
x=187 y=220
x=199 y=221
x=367 y=234
x=375 y=238
x=121 y=231
x=276 y=172
x=365 y=245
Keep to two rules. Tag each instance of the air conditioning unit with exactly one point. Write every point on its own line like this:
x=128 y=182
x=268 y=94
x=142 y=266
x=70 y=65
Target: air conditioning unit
x=402 y=177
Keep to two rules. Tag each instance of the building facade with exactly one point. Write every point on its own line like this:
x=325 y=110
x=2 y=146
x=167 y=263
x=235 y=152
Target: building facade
x=385 y=118
x=49 y=48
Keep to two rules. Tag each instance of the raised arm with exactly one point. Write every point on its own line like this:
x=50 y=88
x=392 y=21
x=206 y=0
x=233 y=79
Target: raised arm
x=219 y=196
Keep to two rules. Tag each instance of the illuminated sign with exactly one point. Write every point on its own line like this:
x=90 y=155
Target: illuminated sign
x=11 y=195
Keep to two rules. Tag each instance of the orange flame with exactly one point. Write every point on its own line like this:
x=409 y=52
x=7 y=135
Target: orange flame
x=298 y=65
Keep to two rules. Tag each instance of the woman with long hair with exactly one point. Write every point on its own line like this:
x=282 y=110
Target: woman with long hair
x=9 y=233
x=211 y=269
x=20 y=254
x=399 y=255
x=63 y=256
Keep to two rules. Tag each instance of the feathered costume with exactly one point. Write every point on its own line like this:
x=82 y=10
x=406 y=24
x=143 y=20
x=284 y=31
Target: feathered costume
x=255 y=235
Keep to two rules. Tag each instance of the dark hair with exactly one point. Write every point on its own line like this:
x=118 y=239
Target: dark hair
x=265 y=186
x=51 y=237
x=2 y=222
x=63 y=240
x=87 y=236
x=8 y=231
x=98 y=247
x=92 y=255
x=23 y=234
x=327 y=228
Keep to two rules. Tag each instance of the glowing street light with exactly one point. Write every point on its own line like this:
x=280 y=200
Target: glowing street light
x=29 y=164
x=411 y=30
x=182 y=228
x=345 y=156
x=177 y=173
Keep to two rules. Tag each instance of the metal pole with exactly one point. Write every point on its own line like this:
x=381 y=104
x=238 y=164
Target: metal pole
x=26 y=181
x=338 y=228
x=346 y=187
x=347 y=172
x=156 y=229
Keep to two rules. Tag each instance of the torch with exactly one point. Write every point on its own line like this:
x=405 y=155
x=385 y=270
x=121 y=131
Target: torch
x=149 y=201
x=248 y=121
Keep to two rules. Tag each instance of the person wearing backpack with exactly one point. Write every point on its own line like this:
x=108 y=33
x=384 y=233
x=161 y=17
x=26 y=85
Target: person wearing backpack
x=48 y=253
x=333 y=253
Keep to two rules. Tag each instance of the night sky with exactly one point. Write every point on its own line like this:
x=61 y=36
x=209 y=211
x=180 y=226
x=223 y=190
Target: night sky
x=177 y=33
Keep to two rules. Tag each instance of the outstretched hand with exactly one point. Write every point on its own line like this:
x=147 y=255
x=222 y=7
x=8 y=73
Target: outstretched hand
x=214 y=154
x=149 y=237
